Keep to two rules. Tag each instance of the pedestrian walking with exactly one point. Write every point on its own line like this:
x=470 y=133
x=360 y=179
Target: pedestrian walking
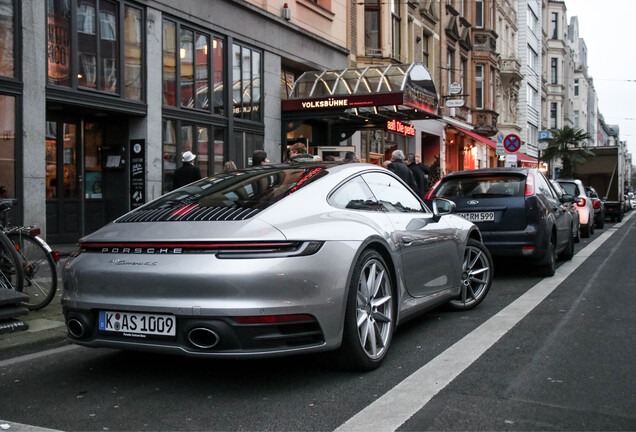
x=229 y=166
x=298 y=153
x=421 y=179
x=259 y=157
x=398 y=167
x=188 y=172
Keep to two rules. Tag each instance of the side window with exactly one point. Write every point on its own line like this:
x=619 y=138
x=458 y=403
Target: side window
x=391 y=194
x=542 y=185
x=354 y=194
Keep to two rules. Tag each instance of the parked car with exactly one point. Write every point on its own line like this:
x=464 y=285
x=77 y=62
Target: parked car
x=586 y=210
x=572 y=209
x=632 y=200
x=274 y=260
x=597 y=205
x=517 y=211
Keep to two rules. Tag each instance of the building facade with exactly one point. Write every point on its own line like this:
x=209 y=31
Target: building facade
x=100 y=97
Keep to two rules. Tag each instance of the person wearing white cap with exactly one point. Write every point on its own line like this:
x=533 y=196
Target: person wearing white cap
x=187 y=173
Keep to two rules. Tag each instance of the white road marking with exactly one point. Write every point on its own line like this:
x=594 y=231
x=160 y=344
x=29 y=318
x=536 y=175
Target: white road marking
x=37 y=355
x=400 y=403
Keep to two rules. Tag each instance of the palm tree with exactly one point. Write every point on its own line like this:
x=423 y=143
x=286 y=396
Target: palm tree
x=567 y=144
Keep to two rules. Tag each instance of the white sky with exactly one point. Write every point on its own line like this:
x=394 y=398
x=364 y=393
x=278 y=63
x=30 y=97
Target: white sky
x=607 y=26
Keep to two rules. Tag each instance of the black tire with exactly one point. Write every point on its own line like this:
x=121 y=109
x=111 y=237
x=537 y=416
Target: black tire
x=40 y=271
x=585 y=231
x=600 y=224
x=568 y=252
x=477 y=274
x=369 y=316
x=577 y=235
x=11 y=273
x=547 y=266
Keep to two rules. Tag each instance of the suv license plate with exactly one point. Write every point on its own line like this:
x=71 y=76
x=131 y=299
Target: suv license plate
x=479 y=216
x=137 y=323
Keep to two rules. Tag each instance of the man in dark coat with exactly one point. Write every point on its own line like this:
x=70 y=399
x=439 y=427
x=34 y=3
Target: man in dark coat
x=421 y=179
x=187 y=173
x=398 y=167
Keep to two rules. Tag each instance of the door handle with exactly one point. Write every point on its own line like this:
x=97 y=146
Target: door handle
x=407 y=240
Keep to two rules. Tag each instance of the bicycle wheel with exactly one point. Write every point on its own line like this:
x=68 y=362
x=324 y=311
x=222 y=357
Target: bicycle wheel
x=11 y=274
x=40 y=273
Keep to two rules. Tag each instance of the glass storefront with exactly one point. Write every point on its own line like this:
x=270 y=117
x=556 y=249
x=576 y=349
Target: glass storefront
x=7 y=147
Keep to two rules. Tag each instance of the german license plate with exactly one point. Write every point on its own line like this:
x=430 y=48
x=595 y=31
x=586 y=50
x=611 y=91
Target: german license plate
x=479 y=216
x=137 y=323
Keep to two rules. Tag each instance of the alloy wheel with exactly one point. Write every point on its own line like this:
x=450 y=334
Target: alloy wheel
x=374 y=310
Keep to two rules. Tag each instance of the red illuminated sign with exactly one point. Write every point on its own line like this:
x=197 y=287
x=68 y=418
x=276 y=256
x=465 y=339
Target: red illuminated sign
x=399 y=127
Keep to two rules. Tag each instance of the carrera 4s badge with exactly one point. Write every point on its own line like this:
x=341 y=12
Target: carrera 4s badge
x=133 y=263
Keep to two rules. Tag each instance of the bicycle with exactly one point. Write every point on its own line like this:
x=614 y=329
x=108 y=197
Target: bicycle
x=39 y=264
x=11 y=274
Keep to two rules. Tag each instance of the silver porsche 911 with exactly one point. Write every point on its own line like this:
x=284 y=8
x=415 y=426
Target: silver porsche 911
x=274 y=260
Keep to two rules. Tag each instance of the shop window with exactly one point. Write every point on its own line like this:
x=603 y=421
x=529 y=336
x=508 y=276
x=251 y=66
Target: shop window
x=132 y=52
x=187 y=62
x=7 y=48
x=98 y=58
x=100 y=27
x=179 y=137
x=59 y=42
x=7 y=147
x=246 y=82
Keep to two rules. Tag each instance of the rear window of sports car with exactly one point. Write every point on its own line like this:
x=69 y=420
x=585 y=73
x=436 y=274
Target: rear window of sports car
x=235 y=196
x=482 y=187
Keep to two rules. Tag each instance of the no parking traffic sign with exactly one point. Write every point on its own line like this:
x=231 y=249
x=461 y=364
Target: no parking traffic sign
x=512 y=142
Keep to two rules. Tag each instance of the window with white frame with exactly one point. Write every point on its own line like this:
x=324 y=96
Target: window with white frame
x=576 y=119
x=532 y=20
x=479 y=13
x=479 y=86
x=553 y=70
x=491 y=101
x=553 y=115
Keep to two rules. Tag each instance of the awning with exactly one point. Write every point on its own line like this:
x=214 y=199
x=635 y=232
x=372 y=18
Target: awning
x=396 y=91
x=490 y=143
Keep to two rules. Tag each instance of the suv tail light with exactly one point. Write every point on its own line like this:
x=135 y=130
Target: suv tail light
x=530 y=185
x=596 y=203
x=581 y=202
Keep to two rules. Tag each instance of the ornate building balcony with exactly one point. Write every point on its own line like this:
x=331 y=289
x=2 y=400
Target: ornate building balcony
x=510 y=69
x=485 y=122
x=485 y=40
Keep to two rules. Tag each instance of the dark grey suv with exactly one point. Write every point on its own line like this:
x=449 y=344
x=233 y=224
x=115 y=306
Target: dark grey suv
x=517 y=211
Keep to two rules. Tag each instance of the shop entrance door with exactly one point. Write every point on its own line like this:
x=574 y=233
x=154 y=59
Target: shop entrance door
x=63 y=197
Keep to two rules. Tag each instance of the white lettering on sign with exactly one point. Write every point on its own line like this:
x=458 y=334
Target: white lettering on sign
x=328 y=103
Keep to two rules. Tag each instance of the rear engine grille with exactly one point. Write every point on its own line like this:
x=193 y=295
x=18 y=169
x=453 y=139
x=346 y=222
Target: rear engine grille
x=190 y=213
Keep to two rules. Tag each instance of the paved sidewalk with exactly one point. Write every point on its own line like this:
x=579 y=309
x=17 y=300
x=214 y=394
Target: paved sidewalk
x=46 y=326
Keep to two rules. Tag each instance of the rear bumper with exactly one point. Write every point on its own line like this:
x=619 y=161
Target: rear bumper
x=530 y=242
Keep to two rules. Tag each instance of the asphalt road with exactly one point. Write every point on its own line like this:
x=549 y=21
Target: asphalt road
x=537 y=354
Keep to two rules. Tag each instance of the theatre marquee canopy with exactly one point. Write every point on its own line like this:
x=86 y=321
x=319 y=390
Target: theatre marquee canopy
x=372 y=94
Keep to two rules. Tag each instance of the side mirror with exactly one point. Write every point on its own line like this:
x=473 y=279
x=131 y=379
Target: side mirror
x=442 y=206
x=567 y=198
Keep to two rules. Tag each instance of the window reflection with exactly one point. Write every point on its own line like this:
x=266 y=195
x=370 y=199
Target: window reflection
x=7 y=147
x=132 y=53
x=6 y=38
x=59 y=42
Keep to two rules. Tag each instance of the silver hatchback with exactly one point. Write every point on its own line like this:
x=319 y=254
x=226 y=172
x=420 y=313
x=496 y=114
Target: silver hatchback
x=273 y=260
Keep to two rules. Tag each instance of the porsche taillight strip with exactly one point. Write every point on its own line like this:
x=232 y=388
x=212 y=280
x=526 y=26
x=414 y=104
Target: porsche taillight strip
x=224 y=250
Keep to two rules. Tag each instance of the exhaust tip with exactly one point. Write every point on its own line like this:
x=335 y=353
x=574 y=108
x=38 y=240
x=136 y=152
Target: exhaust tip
x=76 y=328
x=203 y=338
